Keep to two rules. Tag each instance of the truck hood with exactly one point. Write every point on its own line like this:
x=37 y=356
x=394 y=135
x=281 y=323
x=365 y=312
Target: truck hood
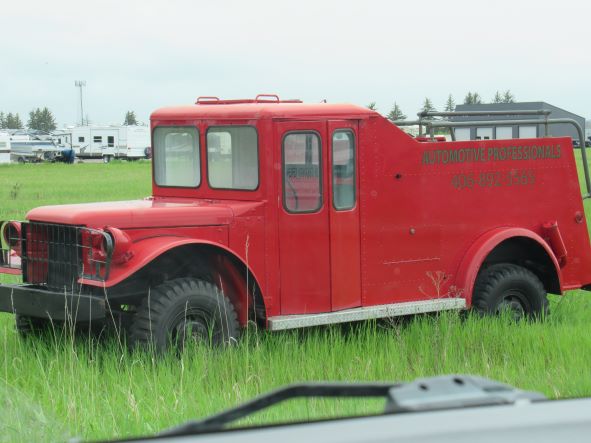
x=138 y=213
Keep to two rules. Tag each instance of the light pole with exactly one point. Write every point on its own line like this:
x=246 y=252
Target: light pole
x=81 y=84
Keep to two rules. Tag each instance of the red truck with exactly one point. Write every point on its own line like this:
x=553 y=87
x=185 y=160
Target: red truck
x=292 y=215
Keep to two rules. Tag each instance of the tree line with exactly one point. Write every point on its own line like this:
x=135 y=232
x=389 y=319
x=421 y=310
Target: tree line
x=10 y=121
x=471 y=98
x=42 y=119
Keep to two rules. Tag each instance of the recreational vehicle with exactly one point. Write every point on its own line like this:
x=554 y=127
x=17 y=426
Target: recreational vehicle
x=107 y=142
x=4 y=147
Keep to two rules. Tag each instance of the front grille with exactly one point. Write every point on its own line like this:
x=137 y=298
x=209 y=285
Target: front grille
x=56 y=256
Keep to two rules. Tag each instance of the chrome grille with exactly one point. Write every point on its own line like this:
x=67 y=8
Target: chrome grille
x=56 y=256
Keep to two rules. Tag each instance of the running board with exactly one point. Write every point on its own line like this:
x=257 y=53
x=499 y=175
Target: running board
x=281 y=322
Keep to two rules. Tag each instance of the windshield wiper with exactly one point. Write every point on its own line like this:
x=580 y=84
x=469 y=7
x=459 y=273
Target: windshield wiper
x=428 y=394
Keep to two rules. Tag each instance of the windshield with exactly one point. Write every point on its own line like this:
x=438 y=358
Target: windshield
x=176 y=157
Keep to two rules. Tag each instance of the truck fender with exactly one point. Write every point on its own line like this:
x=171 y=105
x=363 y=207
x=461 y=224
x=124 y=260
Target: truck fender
x=147 y=250
x=482 y=247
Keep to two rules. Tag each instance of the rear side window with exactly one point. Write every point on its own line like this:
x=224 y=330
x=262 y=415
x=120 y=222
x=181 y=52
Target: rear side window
x=232 y=157
x=176 y=157
x=302 y=177
x=343 y=169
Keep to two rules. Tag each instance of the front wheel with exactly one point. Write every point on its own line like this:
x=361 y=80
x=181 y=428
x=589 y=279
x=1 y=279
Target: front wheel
x=510 y=288
x=33 y=326
x=181 y=311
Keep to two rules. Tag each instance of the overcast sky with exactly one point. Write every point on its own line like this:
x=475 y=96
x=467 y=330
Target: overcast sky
x=143 y=55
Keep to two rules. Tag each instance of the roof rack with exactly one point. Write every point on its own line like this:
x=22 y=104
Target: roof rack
x=260 y=98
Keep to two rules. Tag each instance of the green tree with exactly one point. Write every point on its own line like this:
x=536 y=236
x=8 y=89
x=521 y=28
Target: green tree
x=34 y=118
x=428 y=105
x=18 y=124
x=472 y=98
x=508 y=97
x=450 y=104
x=505 y=97
x=13 y=121
x=130 y=119
x=2 y=120
x=372 y=106
x=396 y=113
x=42 y=120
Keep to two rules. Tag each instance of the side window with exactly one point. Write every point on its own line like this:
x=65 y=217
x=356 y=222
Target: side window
x=302 y=177
x=343 y=169
x=232 y=157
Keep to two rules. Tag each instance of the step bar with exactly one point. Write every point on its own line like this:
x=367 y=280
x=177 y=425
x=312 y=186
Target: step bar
x=282 y=322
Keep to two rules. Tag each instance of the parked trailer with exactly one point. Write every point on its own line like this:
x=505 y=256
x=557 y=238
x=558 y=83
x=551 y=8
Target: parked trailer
x=4 y=147
x=24 y=148
x=109 y=142
x=315 y=214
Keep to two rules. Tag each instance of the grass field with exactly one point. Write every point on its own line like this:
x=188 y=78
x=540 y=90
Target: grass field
x=64 y=386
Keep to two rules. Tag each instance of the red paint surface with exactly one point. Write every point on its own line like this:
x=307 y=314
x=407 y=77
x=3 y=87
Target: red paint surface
x=420 y=229
x=345 y=236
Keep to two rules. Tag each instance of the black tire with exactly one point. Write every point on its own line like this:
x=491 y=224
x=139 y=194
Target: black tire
x=510 y=287
x=182 y=310
x=107 y=158
x=33 y=326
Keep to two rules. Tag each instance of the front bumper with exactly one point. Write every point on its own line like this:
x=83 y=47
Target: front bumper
x=31 y=301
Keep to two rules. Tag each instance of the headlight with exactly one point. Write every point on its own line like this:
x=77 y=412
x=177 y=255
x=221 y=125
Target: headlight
x=122 y=252
x=11 y=234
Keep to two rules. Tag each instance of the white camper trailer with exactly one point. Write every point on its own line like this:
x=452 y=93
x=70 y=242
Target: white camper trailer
x=136 y=140
x=4 y=147
x=109 y=142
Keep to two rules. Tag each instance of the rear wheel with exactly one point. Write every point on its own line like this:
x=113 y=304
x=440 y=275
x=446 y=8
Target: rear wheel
x=182 y=311
x=512 y=288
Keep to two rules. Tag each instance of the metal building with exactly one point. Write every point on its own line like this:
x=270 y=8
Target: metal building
x=485 y=132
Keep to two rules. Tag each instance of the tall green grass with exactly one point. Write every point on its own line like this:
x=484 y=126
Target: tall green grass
x=59 y=386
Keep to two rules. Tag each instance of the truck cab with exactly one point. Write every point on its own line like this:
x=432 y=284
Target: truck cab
x=291 y=215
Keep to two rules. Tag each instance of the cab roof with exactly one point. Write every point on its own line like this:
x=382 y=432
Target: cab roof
x=260 y=109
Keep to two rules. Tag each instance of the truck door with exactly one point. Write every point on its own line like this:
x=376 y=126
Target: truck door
x=344 y=215
x=304 y=249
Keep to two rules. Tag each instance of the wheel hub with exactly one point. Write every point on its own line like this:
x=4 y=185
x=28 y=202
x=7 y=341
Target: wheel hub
x=191 y=329
x=513 y=302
